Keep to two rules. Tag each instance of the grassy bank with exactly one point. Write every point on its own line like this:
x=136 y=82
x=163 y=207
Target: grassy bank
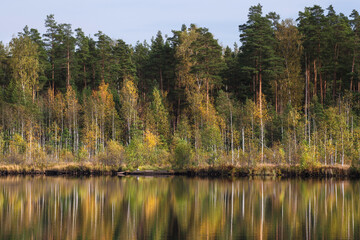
x=59 y=169
x=88 y=169
x=276 y=170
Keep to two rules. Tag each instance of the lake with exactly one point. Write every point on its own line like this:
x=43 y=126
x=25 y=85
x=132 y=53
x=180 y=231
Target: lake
x=177 y=208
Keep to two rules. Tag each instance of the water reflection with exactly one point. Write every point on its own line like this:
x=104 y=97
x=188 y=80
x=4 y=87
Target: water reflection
x=177 y=208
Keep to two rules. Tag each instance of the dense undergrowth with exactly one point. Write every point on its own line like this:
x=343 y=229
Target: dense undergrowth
x=289 y=96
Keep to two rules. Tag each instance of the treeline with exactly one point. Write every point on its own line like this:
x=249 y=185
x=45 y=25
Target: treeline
x=289 y=94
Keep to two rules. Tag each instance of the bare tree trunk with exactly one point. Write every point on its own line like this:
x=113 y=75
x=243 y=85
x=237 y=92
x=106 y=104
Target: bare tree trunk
x=276 y=98
x=334 y=79
x=96 y=129
x=56 y=142
x=321 y=86
x=315 y=78
x=53 y=76
x=261 y=118
x=207 y=95
x=352 y=73
x=113 y=126
x=295 y=144
x=289 y=152
x=30 y=141
x=243 y=140
x=68 y=76
x=325 y=146
x=342 y=146
x=306 y=95
x=232 y=137
x=335 y=152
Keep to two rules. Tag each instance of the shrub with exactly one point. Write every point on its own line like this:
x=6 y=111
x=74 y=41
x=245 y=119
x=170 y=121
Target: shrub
x=15 y=158
x=182 y=153
x=135 y=152
x=307 y=160
x=66 y=156
x=17 y=144
x=82 y=155
x=38 y=155
x=113 y=155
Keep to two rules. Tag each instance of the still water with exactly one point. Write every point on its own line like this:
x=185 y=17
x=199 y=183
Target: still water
x=177 y=208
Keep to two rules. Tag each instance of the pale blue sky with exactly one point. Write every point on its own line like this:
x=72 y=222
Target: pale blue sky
x=133 y=20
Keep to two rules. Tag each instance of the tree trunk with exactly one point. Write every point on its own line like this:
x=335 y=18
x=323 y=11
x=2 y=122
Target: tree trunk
x=276 y=98
x=207 y=96
x=84 y=76
x=325 y=146
x=352 y=73
x=261 y=117
x=342 y=147
x=161 y=80
x=321 y=85
x=68 y=76
x=315 y=78
x=334 y=74
x=93 y=76
x=113 y=126
x=306 y=95
x=53 y=76
x=232 y=137
x=243 y=140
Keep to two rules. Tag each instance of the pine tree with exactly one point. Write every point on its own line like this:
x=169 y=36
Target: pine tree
x=103 y=45
x=207 y=61
x=122 y=64
x=67 y=51
x=258 y=46
x=51 y=43
x=82 y=55
x=355 y=65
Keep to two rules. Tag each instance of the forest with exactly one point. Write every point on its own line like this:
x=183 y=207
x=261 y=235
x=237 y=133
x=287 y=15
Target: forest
x=289 y=93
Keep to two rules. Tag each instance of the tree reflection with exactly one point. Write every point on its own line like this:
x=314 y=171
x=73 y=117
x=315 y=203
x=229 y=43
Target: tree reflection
x=177 y=208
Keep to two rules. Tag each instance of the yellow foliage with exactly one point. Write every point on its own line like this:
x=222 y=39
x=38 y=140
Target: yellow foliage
x=25 y=65
x=263 y=112
x=67 y=156
x=89 y=139
x=17 y=144
x=151 y=139
x=104 y=98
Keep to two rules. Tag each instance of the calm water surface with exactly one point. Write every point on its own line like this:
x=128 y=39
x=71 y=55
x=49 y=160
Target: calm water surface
x=177 y=208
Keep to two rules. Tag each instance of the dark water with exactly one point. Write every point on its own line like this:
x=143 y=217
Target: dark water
x=177 y=208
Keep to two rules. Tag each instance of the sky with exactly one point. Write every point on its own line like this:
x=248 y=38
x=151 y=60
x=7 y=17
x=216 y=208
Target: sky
x=139 y=20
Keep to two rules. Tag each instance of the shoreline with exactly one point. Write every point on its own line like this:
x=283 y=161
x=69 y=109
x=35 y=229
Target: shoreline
x=285 y=171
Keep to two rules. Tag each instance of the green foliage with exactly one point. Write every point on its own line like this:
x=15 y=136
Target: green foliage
x=18 y=144
x=160 y=116
x=135 y=152
x=129 y=100
x=183 y=153
x=82 y=155
x=307 y=158
x=25 y=69
x=184 y=100
x=211 y=138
